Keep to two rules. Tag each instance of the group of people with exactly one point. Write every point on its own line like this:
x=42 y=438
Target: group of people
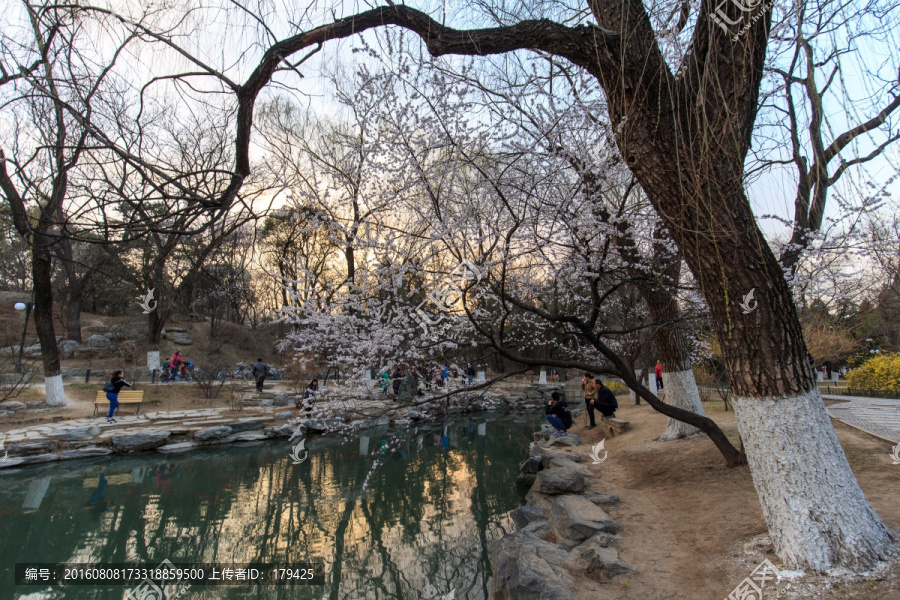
x=176 y=368
x=596 y=397
x=423 y=377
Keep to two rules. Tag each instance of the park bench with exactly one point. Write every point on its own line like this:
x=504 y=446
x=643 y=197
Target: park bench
x=125 y=397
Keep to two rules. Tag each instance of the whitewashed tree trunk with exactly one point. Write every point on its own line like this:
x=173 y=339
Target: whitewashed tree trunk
x=817 y=514
x=54 y=390
x=681 y=391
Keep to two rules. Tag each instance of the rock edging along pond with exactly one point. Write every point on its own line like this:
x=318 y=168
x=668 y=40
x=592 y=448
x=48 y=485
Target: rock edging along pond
x=562 y=530
x=174 y=432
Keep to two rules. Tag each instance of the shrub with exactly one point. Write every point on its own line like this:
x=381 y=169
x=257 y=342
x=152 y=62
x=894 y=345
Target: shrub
x=617 y=387
x=878 y=373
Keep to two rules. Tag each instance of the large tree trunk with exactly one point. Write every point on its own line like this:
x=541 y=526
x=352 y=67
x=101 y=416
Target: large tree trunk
x=42 y=274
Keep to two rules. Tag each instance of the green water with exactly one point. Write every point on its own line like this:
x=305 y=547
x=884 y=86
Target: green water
x=420 y=529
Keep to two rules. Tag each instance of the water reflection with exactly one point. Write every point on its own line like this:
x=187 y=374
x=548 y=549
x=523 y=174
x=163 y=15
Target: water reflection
x=419 y=528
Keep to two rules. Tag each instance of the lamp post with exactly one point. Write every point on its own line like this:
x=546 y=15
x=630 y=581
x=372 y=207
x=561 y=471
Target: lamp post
x=27 y=308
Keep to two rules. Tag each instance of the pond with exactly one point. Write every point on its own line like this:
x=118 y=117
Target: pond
x=391 y=514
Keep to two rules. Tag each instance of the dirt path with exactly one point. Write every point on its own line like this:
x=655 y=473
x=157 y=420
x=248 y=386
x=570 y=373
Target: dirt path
x=688 y=518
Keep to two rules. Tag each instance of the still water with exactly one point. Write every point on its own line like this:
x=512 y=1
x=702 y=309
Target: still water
x=420 y=528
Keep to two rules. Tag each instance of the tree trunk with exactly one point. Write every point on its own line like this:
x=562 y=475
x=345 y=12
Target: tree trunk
x=675 y=357
x=42 y=276
x=73 y=316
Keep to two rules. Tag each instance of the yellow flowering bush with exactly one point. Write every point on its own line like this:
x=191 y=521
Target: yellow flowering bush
x=879 y=373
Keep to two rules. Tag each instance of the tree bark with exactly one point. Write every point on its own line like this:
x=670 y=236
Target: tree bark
x=73 y=316
x=42 y=280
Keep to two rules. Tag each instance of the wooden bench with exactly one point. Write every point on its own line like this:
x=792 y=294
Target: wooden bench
x=125 y=397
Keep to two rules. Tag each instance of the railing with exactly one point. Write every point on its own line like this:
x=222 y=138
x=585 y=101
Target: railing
x=861 y=392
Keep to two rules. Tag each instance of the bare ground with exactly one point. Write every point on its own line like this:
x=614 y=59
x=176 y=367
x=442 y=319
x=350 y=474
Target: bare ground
x=694 y=529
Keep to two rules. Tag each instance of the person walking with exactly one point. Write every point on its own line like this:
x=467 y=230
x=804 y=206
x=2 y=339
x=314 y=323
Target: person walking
x=659 y=381
x=470 y=373
x=445 y=376
x=385 y=382
x=558 y=414
x=589 y=391
x=259 y=372
x=112 y=388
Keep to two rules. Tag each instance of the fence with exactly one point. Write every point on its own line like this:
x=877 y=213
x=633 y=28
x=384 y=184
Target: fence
x=866 y=393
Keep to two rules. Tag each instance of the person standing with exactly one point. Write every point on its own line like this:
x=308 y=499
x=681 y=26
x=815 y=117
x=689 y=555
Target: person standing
x=470 y=373
x=445 y=375
x=259 y=372
x=589 y=391
x=558 y=414
x=176 y=363
x=659 y=381
x=112 y=389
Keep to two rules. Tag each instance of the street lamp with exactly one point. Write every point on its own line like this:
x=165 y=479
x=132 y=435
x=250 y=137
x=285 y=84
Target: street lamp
x=27 y=308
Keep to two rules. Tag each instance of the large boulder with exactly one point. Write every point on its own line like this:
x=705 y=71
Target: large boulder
x=281 y=432
x=560 y=480
x=75 y=434
x=602 y=499
x=576 y=518
x=13 y=406
x=531 y=465
x=34 y=459
x=528 y=568
x=98 y=342
x=32 y=351
x=67 y=348
x=33 y=447
x=597 y=558
x=524 y=515
x=140 y=440
x=570 y=439
x=212 y=433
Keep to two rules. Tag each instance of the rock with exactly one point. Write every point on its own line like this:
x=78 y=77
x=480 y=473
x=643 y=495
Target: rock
x=522 y=570
x=67 y=348
x=245 y=425
x=140 y=440
x=76 y=434
x=212 y=433
x=133 y=330
x=281 y=432
x=178 y=447
x=600 y=498
x=28 y=460
x=36 y=404
x=86 y=452
x=32 y=351
x=6 y=413
x=596 y=557
x=249 y=436
x=284 y=415
x=183 y=342
x=39 y=446
x=13 y=406
x=576 y=518
x=524 y=515
x=281 y=399
x=560 y=480
x=531 y=465
x=98 y=328
x=570 y=439
x=525 y=478
x=97 y=342
x=540 y=529
x=322 y=425
x=176 y=330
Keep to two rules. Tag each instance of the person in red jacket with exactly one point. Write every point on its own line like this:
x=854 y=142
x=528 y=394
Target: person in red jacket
x=659 y=382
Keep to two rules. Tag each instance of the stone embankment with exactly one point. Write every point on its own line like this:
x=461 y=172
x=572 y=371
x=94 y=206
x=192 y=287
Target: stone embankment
x=268 y=416
x=561 y=531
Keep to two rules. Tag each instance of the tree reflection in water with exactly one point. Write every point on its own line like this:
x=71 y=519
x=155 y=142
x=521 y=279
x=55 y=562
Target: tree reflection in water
x=420 y=529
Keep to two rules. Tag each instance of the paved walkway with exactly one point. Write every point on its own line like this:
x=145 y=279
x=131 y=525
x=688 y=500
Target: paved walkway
x=877 y=416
